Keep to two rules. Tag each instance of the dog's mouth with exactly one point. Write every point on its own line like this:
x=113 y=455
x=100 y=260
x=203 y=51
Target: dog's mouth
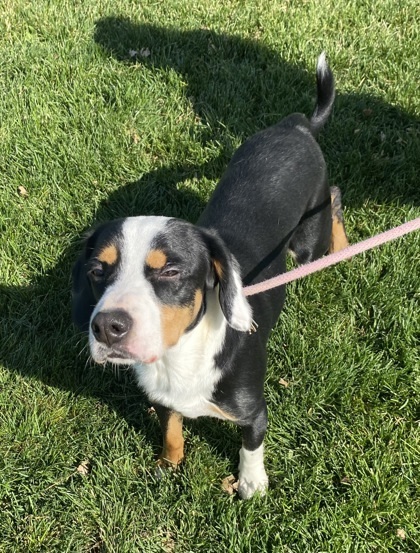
x=121 y=356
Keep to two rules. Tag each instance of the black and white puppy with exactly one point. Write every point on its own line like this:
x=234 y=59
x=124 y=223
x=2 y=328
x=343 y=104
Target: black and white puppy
x=165 y=296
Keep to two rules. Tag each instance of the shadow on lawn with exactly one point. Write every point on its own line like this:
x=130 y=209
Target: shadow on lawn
x=247 y=87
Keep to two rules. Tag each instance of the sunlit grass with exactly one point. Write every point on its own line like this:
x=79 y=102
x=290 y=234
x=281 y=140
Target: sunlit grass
x=119 y=108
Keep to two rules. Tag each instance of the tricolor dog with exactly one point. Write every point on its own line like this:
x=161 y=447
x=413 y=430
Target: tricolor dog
x=165 y=296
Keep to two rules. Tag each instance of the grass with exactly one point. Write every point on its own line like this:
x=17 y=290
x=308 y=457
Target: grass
x=91 y=133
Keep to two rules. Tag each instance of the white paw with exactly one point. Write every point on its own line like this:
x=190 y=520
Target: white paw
x=247 y=488
x=252 y=475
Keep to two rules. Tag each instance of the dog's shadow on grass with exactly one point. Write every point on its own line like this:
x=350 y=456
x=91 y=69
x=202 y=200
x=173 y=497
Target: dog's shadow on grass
x=241 y=86
x=235 y=85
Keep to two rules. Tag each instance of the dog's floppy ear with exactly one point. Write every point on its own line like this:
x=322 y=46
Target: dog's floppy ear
x=83 y=300
x=235 y=307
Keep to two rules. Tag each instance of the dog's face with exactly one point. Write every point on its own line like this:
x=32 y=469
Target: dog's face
x=141 y=284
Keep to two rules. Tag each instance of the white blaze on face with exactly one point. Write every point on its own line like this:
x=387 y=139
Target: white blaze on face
x=133 y=293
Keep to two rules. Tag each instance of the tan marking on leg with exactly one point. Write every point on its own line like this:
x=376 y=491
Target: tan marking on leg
x=339 y=239
x=156 y=259
x=173 y=441
x=109 y=255
x=175 y=320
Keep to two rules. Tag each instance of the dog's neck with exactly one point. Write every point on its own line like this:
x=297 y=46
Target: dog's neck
x=185 y=377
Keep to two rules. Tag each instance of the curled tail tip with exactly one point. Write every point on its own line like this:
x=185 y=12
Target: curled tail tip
x=326 y=94
x=321 y=64
x=322 y=67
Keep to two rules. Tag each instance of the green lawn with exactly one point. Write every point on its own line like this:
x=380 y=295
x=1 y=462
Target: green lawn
x=120 y=108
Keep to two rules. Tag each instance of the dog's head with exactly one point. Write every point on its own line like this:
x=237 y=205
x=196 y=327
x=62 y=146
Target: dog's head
x=141 y=283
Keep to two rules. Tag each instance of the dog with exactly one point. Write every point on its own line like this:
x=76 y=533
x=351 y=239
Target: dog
x=165 y=296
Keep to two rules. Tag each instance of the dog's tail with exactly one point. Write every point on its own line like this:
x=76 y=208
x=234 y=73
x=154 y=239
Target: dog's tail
x=325 y=95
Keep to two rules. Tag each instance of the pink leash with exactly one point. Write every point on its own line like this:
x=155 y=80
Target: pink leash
x=332 y=259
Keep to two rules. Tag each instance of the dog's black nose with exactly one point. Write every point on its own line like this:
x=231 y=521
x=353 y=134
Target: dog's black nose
x=110 y=327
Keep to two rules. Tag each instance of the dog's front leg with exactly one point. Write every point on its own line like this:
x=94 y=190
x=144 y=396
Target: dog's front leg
x=173 y=440
x=252 y=475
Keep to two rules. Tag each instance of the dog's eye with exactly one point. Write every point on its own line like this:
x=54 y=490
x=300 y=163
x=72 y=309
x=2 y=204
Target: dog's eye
x=170 y=272
x=97 y=272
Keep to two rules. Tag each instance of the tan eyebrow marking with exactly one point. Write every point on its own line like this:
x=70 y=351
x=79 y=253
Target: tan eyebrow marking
x=156 y=259
x=109 y=255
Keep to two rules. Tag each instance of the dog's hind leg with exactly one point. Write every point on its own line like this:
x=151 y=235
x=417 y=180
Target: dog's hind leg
x=312 y=237
x=338 y=232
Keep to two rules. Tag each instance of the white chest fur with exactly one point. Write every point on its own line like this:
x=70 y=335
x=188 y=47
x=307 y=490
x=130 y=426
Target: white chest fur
x=185 y=377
